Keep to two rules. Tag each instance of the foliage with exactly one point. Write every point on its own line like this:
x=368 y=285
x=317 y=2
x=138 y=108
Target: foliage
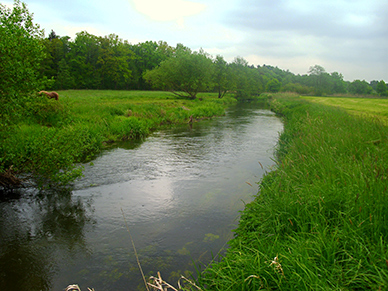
x=48 y=152
x=147 y=56
x=297 y=88
x=273 y=86
x=338 y=84
x=360 y=87
x=319 y=79
x=248 y=80
x=185 y=74
x=113 y=62
x=224 y=79
x=381 y=88
x=21 y=54
x=319 y=220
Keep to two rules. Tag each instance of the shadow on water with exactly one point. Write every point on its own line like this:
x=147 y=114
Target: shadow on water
x=181 y=191
x=35 y=228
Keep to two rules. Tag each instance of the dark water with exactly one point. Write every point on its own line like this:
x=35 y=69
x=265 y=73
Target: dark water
x=180 y=193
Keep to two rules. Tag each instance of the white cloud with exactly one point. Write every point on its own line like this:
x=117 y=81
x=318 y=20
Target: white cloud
x=168 y=10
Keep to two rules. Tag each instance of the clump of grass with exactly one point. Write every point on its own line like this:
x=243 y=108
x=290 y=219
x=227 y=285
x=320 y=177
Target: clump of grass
x=322 y=213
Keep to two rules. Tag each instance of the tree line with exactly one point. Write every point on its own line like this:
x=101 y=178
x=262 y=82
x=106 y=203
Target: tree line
x=95 y=62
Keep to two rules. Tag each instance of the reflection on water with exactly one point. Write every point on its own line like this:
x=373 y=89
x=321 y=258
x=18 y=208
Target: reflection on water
x=37 y=231
x=180 y=191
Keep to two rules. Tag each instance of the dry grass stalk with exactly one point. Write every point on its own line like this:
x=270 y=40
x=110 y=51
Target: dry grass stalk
x=8 y=178
x=187 y=280
x=159 y=284
x=277 y=266
x=134 y=249
x=75 y=287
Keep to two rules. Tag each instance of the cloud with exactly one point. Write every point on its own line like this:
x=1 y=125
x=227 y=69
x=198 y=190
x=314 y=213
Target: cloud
x=324 y=18
x=72 y=11
x=168 y=10
x=346 y=32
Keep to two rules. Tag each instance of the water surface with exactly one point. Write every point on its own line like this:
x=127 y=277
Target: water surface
x=178 y=193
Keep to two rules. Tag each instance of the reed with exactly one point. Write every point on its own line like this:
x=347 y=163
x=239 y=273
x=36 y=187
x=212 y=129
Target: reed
x=322 y=213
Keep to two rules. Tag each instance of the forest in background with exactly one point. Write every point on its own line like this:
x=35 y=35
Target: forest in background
x=95 y=62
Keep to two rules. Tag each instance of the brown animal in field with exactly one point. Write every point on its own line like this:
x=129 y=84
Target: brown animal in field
x=51 y=95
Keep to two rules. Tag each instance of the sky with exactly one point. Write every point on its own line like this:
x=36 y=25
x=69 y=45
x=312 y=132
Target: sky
x=345 y=36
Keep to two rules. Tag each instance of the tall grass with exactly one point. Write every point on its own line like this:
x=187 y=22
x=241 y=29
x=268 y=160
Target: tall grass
x=50 y=137
x=322 y=213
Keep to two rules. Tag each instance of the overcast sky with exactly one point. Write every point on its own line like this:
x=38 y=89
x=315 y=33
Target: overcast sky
x=345 y=36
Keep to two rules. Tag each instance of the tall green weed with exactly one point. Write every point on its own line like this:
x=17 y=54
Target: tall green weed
x=128 y=128
x=322 y=213
x=48 y=153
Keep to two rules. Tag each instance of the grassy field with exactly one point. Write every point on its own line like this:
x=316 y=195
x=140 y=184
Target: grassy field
x=320 y=220
x=367 y=107
x=152 y=109
x=48 y=137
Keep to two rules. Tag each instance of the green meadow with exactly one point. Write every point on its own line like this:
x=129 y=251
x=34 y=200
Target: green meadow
x=49 y=138
x=320 y=219
x=375 y=108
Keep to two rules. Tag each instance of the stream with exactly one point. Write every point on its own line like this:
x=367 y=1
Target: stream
x=175 y=196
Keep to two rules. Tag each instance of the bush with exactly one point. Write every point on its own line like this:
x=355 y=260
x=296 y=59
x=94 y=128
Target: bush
x=21 y=54
x=49 y=153
x=128 y=128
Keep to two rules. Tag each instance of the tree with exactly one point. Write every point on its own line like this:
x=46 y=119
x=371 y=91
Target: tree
x=316 y=70
x=319 y=79
x=373 y=84
x=273 y=86
x=147 y=56
x=223 y=77
x=360 y=87
x=56 y=50
x=248 y=79
x=52 y=35
x=21 y=52
x=113 y=63
x=64 y=78
x=381 y=88
x=185 y=74
x=338 y=83
x=83 y=58
x=297 y=88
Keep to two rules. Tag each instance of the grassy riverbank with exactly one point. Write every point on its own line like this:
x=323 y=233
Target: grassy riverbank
x=320 y=221
x=48 y=137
